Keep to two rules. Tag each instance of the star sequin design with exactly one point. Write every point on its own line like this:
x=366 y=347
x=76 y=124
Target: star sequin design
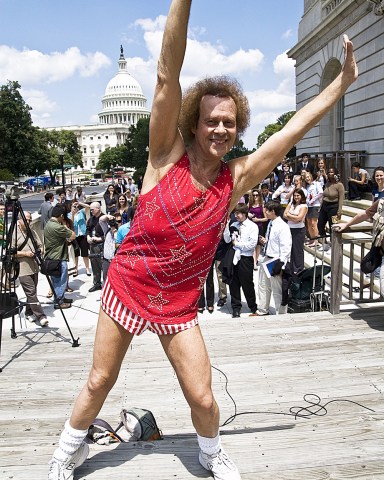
x=199 y=203
x=132 y=257
x=180 y=254
x=151 y=208
x=157 y=301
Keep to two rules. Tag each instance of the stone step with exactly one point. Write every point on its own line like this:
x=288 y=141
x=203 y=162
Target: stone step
x=309 y=262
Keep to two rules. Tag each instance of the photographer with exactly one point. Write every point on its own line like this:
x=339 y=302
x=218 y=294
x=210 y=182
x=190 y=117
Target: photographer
x=56 y=238
x=109 y=224
x=95 y=238
x=29 y=270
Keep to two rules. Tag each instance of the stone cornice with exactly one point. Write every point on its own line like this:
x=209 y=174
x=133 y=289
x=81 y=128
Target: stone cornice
x=339 y=16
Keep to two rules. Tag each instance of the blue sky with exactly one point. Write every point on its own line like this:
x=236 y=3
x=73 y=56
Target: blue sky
x=63 y=53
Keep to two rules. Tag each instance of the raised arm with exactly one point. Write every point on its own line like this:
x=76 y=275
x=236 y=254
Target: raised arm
x=165 y=142
x=249 y=170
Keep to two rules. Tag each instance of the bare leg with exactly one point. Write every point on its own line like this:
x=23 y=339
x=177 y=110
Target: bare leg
x=86 y=263
x=189 y=357
x=111 y=344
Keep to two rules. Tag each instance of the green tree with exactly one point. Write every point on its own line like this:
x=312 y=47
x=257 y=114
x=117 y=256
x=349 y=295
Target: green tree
x=60 y=139
x=26 y=149
x=16 y=131
x=238 y=150
x=137 y=147
x=272 y=128
x=5 y=174
x=112 y=157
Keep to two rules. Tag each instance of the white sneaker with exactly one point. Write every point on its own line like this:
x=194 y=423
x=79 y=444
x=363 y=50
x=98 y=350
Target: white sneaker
x=220 y=465
x=44 y=321
x=64 y=470
x=31 y=318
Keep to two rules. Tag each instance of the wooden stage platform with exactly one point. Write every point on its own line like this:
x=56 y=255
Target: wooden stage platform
x=272 y=365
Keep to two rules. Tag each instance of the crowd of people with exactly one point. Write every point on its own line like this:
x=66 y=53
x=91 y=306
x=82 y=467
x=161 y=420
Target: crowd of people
x=305 y=198
x=157 y=276
x=71 y=228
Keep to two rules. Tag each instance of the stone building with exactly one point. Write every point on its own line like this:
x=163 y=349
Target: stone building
x=123 y=104
x=354 y=129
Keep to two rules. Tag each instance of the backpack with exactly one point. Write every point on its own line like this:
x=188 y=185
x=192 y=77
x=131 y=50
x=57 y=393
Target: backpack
x=137 y=424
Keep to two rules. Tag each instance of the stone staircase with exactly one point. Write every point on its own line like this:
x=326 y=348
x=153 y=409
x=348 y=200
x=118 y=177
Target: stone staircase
x=351 y=266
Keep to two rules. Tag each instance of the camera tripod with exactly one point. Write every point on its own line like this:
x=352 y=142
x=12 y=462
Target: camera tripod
x=9 y=303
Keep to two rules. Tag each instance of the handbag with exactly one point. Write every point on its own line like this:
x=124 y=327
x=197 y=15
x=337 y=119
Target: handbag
x=52 y=267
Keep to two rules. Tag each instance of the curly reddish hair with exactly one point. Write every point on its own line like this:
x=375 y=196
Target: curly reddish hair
x=219 y=86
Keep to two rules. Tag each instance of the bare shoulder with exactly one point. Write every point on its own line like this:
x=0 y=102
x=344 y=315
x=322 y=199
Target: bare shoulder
x=158 y=166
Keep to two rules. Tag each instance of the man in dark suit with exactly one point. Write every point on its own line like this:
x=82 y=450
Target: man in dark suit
x=120 y=187
x=306 y=164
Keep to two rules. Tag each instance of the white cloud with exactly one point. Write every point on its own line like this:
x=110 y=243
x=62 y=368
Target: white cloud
x=202 y=58
x=42 y=107
x=283 y=65
x=31 y=67
x=287 y=34
x=149 y=25
x=268 y=105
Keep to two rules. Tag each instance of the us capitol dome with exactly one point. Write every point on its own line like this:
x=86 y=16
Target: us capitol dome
x=123 y=105
x=123 y=101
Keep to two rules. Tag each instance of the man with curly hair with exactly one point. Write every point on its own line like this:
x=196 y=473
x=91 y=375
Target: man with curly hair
x=155 y=280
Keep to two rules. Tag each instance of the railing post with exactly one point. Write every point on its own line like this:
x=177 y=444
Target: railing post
x=336 y=272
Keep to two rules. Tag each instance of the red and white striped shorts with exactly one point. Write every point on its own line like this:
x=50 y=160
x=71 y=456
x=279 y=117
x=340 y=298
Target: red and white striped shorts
x=129 y=320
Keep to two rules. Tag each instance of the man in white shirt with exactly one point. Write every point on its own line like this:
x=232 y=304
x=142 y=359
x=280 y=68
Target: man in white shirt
x=277 y=244
x=244 y=243
x=132 y=187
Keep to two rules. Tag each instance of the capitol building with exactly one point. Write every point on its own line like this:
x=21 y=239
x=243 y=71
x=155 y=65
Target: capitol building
x=123 y=104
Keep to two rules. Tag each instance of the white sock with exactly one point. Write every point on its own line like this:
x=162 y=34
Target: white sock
x=209 y=445
x=70 y=441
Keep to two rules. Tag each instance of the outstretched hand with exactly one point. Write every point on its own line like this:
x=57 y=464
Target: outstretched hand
x=339 y=227
x=350 y=70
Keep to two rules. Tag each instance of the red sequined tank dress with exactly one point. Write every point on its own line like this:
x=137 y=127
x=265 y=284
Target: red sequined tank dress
x=160 y=269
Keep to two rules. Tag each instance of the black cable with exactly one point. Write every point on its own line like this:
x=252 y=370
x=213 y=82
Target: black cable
x=315 y=407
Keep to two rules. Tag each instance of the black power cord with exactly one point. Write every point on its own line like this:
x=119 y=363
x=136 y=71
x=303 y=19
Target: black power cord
x=314 y=407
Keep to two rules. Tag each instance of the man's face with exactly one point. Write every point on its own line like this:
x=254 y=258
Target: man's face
x=305 y=159
x=2 y=210
x=28 y=218
x=95 y=210
x=270 y=214
x=216 y=131
x=264 y=191
x=240 y=217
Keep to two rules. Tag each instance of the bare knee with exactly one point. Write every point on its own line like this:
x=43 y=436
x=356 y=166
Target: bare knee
x=100 y=381
x=203 y=401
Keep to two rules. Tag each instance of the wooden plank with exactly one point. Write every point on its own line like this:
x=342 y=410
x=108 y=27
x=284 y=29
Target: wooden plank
x=270 y=364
